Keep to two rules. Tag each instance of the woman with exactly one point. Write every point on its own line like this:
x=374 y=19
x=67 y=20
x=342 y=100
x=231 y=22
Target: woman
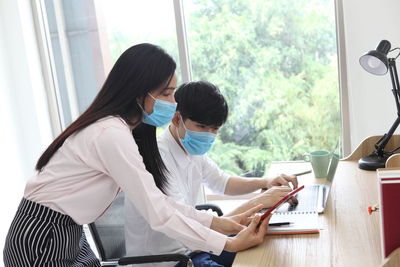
x=83 y=170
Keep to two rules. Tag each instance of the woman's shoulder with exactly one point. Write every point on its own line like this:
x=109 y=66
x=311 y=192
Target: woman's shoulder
x=112 y=122
x=108 y=132
x=112 y=127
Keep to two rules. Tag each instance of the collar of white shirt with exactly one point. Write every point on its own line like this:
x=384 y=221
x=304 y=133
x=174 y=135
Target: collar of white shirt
x=178 y=153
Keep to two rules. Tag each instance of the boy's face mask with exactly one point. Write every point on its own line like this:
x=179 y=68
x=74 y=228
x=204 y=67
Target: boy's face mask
x=196 y=143
x=163 y=112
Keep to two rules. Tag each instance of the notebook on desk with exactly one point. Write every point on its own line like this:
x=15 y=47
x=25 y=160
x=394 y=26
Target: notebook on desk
x=303 y=217
x=299 y=223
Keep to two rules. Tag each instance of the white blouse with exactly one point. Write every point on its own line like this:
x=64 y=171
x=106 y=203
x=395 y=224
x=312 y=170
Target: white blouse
x=86 y=173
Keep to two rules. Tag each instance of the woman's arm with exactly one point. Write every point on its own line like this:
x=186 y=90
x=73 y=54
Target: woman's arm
x=120 y=159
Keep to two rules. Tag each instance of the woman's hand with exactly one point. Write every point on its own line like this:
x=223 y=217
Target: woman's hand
x=249 y=237
x=246 y=217
x=234 y=224
x=226 y=225
x=271 y=196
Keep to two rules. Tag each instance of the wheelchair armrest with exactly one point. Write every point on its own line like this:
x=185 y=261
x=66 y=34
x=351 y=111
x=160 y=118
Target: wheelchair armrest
x=212 y=207
x=155 y=258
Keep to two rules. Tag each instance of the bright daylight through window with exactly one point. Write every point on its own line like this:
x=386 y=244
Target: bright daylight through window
x=274 y=61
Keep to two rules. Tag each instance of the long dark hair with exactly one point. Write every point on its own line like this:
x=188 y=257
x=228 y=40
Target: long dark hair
x=139 y=70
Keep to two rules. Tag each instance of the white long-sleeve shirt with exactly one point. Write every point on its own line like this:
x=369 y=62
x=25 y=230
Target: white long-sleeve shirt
x=86 y=173
x=186 y=174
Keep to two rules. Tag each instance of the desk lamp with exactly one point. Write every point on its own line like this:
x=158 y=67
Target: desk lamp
x=377 y=62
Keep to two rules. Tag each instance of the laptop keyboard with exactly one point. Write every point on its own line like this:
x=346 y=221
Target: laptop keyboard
x=311 y=199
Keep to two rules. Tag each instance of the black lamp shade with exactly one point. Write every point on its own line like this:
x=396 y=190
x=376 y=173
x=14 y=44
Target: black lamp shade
x=375 y=61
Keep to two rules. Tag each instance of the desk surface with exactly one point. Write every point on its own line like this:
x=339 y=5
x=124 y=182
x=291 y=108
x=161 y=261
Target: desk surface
x=349 y=235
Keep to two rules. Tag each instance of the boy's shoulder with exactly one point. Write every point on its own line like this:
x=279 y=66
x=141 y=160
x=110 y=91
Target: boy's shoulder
x=165 y=146
x=162 y=141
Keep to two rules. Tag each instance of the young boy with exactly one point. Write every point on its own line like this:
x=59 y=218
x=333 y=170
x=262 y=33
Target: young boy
x=201 y=111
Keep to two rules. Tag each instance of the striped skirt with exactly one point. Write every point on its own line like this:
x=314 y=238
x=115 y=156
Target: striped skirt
x=40 y=236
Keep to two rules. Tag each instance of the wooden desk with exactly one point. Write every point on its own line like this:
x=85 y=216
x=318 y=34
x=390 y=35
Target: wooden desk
x=350 y=236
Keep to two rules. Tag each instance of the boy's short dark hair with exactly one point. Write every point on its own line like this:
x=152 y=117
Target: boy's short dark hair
x=201 y=102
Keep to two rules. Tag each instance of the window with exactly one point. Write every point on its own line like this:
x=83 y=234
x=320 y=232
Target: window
x=87 y=36
x=130 y=22
x=275 y=62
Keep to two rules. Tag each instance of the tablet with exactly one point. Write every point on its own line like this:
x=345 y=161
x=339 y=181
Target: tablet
x=277 y=204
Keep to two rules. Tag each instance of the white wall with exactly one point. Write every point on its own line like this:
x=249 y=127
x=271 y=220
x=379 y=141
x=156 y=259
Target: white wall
x=25 y=128
x=372 y=109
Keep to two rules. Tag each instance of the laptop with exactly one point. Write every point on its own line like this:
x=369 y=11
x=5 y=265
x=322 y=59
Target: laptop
x=312 y=198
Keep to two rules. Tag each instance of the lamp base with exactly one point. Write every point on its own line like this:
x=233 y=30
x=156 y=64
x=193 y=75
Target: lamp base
x=372 y=162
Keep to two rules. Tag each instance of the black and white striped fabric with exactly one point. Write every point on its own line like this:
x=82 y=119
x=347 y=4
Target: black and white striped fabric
x=40 y=236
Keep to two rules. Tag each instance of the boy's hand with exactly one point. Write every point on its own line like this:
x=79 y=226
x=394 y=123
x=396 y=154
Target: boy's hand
x=283 y=179
x=271 y=196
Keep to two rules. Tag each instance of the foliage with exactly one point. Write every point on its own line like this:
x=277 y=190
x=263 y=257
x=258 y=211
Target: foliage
x=275 y=62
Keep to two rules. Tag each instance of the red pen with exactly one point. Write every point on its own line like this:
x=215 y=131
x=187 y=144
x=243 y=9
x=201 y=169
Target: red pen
x=277 y=204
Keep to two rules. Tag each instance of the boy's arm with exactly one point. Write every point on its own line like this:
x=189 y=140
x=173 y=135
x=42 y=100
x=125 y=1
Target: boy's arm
x=267 y=199
x=242 y=185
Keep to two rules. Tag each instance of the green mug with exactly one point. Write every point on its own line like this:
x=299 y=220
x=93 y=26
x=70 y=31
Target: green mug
x=320 y=161
x=332 y=166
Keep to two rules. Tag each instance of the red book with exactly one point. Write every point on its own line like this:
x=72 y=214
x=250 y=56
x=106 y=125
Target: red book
x=389 y=197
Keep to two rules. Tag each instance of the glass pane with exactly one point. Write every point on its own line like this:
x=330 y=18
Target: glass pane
x=129 y=22
x=276 y=64
x=96 y=33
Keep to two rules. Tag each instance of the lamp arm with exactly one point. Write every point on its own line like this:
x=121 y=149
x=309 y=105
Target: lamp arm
x=395 y=83
x=380 y=145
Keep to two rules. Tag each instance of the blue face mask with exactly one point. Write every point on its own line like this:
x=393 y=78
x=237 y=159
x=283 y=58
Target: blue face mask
x=163 y=112
x=197 y=143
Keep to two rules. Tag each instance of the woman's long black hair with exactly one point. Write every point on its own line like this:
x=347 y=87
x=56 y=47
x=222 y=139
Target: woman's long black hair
x=139 y=70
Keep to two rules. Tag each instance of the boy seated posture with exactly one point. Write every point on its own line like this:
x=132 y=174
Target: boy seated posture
x=201 y=111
